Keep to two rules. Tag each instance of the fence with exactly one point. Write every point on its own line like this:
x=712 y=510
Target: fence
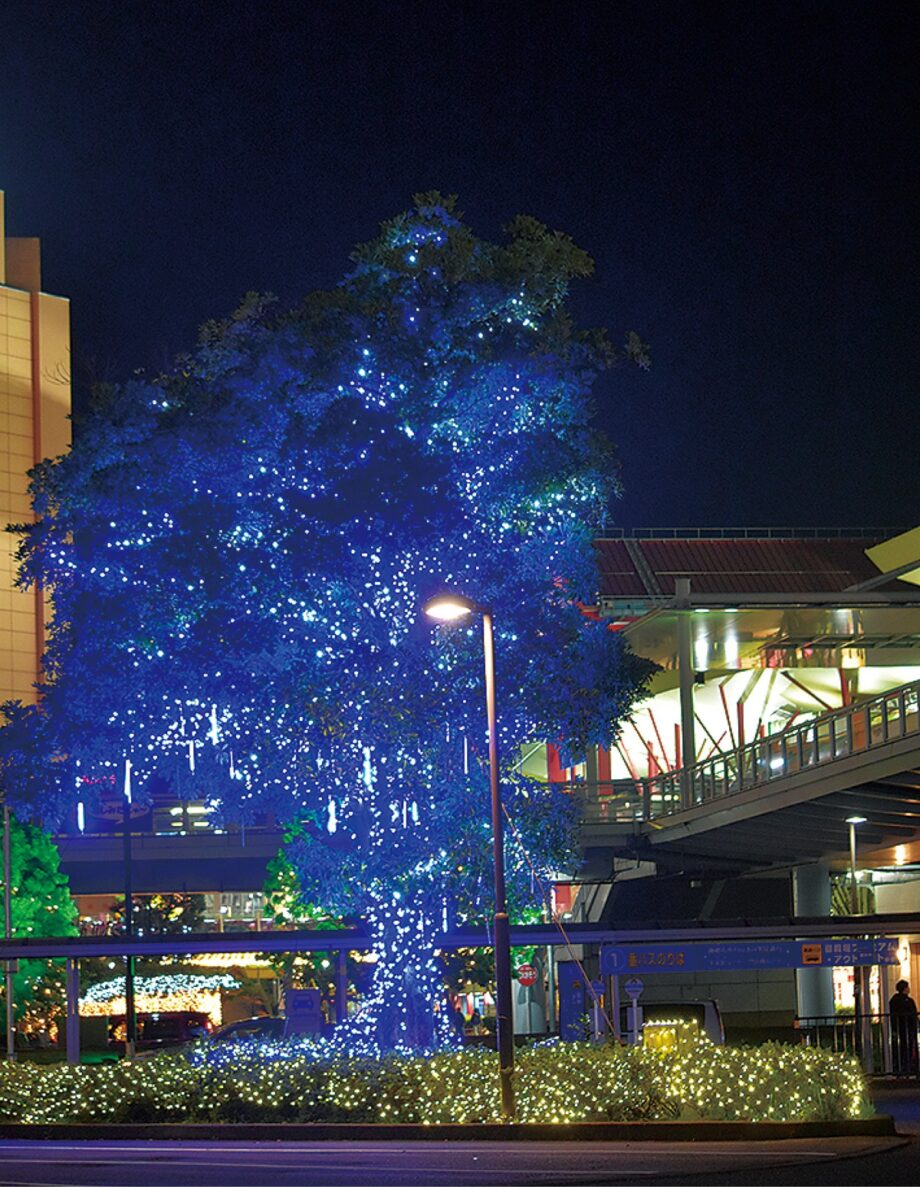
x=854 y=729
x=886 y=1044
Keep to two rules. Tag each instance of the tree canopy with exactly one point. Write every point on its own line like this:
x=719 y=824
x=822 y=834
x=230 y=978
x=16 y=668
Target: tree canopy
x=238 y=552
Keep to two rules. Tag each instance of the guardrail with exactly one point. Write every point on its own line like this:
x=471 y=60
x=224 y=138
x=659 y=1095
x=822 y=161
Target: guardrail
x=855 y=729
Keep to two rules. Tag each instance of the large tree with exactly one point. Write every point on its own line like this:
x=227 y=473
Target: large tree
x=238 y=552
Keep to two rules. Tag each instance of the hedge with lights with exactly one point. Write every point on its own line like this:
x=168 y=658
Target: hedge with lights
x=556 y=1083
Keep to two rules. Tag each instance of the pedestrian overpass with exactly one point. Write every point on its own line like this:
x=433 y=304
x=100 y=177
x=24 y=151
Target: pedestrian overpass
x=782 y=799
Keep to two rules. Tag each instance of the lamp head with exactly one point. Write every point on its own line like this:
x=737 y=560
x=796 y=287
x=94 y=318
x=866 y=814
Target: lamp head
x=449 y=607
x=856 y=820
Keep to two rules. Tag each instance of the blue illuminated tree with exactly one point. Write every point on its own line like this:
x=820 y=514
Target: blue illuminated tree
x=238 y=552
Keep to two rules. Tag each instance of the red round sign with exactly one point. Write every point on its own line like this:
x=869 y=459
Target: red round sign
x=527 y=974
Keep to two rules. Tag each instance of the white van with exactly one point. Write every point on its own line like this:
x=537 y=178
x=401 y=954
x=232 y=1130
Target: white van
x=705 y=1013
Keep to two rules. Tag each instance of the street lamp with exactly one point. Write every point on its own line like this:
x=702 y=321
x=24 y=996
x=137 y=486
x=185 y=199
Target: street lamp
x=452 y=608
x=861 y=1000
x=853 y=821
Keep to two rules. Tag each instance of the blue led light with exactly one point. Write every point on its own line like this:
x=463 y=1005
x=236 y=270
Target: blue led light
x=238 y=552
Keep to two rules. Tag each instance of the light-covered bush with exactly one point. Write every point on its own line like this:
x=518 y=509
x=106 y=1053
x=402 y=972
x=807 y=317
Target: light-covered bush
x=555 y=1082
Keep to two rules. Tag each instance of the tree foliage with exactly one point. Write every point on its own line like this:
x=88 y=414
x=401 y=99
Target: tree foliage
x=238 y=552
x=41 y=906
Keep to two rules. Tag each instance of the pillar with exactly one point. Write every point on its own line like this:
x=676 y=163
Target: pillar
x=341 y=986
x=72 y=984
x=811 y=891
x=685 y=676
x=885 y=991
x=551 y=1025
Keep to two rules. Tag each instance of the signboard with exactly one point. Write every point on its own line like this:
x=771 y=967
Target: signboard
x=572 y=1000
x=303 y=1015
x=633 y=988
x=111 y=806
x=527 y=974
x=700 y=957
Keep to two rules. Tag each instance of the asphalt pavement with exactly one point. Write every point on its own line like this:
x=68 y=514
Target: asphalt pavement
x=355 y=1164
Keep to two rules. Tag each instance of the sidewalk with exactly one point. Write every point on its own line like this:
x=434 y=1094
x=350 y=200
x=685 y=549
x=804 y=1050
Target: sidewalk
x=900 y=1099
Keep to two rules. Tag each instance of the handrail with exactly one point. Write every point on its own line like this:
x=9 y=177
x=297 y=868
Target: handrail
x=748 y=533
x=854 y=729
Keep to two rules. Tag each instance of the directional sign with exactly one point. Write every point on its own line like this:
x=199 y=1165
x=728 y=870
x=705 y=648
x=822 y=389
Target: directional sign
x=302 y=1012
x=526 y=974
x=634 y=988
x=699 y=957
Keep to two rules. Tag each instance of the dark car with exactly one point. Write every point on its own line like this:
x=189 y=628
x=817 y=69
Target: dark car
x=170 y=1028
x=249 y=1028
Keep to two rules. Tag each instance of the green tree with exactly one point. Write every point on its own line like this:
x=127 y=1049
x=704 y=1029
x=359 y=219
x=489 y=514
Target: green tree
x=165 y=914
x=42 y=906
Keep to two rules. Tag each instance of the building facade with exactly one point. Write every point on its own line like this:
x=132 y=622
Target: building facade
x=35 y=399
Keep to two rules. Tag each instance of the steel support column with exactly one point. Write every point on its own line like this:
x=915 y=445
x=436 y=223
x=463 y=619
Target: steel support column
x=72 y=980
x=811 y=889
x=685 y=675
x=341 y=987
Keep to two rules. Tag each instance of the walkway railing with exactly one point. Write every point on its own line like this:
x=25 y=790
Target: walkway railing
x=856 y=729
x=886 y=1044
x=764 y=533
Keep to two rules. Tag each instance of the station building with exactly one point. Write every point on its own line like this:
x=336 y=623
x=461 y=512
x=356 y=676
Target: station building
x=782 y=729
x=34 y=424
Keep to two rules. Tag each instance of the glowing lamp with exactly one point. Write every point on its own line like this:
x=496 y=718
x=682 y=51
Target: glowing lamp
x=449 y=607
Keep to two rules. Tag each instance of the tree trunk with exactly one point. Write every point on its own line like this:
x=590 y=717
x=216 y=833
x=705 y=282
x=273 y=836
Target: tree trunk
x=407 y=1005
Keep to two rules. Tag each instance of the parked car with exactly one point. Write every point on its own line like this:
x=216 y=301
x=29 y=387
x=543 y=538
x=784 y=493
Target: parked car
x=249 y=1028
x=705 y=1013
x=158 y=1031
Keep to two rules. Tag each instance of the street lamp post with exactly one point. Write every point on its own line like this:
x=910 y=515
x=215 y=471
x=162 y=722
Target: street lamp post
x=860 y=973
x=853 y=821
x=448 y=608
x=130 y=1010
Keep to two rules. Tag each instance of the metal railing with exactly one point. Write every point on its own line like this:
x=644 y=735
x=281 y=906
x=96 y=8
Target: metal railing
x=748 y=533
x=886 y=1044
x=855 y=729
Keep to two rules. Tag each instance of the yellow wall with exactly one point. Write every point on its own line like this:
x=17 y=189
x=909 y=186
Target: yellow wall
x=897 y=552
x=34 y=405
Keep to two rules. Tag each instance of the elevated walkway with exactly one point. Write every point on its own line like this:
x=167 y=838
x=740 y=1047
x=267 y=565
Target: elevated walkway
x=795 y=787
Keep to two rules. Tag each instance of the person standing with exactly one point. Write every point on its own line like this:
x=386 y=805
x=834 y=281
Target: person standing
x=903 y=1010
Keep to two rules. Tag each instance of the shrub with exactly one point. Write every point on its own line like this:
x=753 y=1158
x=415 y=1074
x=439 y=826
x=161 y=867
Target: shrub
x=555 y=1082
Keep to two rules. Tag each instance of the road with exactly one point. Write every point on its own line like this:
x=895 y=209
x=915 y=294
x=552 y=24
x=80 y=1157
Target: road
x=457 y=1164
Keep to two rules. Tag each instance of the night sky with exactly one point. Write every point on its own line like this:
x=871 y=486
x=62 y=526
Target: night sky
x=744 y=174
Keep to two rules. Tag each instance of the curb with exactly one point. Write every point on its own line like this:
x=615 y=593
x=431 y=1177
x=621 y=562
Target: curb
x=578 y=1131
